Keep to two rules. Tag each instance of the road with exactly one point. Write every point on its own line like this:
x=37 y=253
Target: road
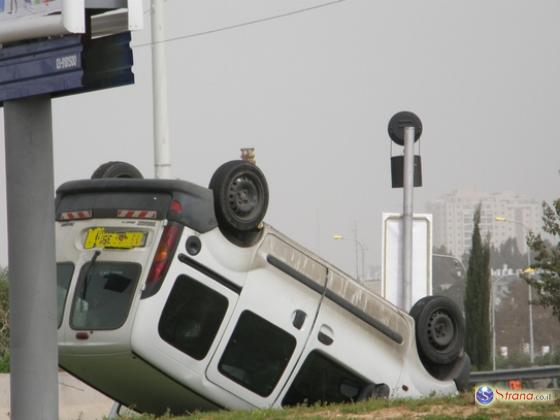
x=77 y=400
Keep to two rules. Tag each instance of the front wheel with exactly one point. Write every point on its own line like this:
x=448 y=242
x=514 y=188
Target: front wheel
x=440 y=330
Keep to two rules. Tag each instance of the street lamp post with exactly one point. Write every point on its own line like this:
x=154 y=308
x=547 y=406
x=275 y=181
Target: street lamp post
x=452 y=257
x=530 y=297
x=362 y=247
x=493 y=296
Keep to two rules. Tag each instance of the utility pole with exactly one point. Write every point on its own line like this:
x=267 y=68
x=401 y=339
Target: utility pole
x=162 y=149
x=530 y=292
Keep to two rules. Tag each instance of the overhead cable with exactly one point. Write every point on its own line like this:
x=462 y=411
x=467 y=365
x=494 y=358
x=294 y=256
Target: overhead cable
x=240 y=25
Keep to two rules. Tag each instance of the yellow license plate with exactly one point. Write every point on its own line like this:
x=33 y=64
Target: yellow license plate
x=100 y=238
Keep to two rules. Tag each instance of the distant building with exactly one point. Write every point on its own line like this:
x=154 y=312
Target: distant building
x=453 y=219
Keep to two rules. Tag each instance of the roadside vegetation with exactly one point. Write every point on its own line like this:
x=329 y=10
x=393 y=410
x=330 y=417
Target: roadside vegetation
x=547 y=260
x=440 y=408
x=477 y=299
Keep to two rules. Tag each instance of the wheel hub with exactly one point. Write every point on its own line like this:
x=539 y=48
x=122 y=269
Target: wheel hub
x=441 y=329
x=243 y=196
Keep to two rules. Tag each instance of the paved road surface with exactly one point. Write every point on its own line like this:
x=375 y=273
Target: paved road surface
x=77 y=400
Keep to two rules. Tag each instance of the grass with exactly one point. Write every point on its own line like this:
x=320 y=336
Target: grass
x=4 y=364
x=433 y=408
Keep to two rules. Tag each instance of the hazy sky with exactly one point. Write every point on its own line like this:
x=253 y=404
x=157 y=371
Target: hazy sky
x=314 y=92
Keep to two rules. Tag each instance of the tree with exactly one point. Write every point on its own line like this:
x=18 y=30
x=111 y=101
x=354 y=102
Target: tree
x=547 y=260
x=477 y=299
x=507 y=254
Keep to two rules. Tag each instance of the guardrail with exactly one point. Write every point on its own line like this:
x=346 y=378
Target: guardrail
x=539 y=372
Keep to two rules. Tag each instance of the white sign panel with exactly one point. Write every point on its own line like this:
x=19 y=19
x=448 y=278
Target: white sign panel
x=30 y=19
x=392 y=258
x=12 y=9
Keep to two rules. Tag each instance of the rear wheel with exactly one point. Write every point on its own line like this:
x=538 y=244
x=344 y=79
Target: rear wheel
x=240 y=200
x=116 y=169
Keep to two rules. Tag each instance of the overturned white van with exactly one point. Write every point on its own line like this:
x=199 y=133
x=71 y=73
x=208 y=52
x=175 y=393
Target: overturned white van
x=177 y=297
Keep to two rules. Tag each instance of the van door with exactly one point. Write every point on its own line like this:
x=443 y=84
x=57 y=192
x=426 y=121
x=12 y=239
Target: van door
x=355 y=349
x=270 y=325
x=98 y=284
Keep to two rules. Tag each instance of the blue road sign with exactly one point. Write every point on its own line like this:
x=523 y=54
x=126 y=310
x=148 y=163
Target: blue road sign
x=64 y=66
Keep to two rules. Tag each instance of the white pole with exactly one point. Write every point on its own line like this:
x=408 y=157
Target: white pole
x=408 y=184
x=162 y=153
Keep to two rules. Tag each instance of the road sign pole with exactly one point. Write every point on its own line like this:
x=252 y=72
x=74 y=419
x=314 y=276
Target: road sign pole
x=31 y=249
x=405 y=128
x=408 y=189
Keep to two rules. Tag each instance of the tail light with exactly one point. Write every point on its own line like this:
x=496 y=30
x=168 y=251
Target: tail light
x=162 y=259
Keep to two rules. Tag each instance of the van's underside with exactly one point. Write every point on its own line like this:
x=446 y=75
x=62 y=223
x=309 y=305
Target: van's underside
x=134 y=383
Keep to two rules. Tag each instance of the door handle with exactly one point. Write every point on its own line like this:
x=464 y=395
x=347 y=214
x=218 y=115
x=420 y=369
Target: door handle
x=325 y=335
x=298 y=318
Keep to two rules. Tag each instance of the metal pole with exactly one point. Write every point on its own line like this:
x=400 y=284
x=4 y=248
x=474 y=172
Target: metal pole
x=364 y=276
x=493 y=307
x=453 y=258
x=33 y=310
x=406 y=300
x=162 y=152
x=531 y=337
x=356 y=250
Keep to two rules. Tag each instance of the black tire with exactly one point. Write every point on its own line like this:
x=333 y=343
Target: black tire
x=374 y=391
x=462 y=379
x=240 y=196
x=116 y=169
x=440 y=330
x=418 y=306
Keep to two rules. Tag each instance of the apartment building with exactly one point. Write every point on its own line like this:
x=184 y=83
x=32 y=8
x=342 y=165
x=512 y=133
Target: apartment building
x=453 y=218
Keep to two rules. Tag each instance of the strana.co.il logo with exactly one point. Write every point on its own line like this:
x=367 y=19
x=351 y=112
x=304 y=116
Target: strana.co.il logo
x=484 y=395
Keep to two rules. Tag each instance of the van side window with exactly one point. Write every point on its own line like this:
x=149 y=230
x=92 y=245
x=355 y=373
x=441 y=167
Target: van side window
x=257 y=354
x=320 y=379
x=64 y=273
x=192 y=316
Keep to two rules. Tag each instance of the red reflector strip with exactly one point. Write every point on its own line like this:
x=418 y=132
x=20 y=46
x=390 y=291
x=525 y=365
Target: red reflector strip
x=137 y=214
x=76 y=215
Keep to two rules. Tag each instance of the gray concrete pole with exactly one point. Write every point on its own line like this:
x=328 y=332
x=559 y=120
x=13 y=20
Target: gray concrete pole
x=31 y=249
x=408 y=184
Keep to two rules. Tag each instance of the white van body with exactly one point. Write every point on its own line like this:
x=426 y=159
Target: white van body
x=226 y=326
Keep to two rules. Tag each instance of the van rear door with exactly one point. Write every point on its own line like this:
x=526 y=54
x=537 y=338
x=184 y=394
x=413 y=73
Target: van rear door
x=102 y=264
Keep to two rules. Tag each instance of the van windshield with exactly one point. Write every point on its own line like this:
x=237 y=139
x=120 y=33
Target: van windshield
x=103 y=295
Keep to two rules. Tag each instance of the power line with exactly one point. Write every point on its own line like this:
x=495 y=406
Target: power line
x=248 y=23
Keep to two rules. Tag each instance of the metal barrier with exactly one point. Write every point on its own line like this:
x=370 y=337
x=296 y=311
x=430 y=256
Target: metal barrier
x=539 y=372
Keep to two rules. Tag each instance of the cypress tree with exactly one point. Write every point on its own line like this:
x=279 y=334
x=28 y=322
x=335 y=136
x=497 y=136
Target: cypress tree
x=477 y=299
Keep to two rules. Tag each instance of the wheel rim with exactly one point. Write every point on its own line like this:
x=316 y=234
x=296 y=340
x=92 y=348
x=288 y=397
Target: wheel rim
x=441 y=329
x=243 y=196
